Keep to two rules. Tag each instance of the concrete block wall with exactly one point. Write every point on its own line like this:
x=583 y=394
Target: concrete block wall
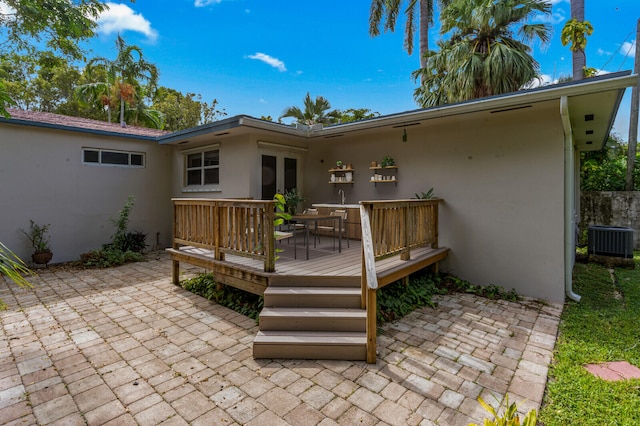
x=612 y=208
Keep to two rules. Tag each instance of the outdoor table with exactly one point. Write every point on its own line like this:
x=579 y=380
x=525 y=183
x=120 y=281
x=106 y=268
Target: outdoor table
x=306 y=218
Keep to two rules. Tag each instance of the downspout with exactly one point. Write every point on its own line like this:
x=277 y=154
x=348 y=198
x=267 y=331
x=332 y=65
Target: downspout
x=569 y=193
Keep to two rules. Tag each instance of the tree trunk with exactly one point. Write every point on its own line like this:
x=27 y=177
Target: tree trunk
x=578 y=56
x=425 y=18
x=122 y=123
x=633 y=119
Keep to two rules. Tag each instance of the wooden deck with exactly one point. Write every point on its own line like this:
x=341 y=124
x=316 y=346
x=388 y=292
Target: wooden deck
x=324 y=264
x=311 y=303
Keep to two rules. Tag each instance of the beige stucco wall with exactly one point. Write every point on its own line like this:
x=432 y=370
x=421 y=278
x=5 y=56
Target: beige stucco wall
x=502 y=185
x=42 y=178
x=240 y=164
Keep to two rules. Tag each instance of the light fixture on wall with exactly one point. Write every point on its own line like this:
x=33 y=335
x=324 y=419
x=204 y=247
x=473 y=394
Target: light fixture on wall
x=404 y=135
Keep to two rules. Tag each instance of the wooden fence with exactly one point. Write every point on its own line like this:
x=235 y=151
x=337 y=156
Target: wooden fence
x=388 y=228
x=240 y=227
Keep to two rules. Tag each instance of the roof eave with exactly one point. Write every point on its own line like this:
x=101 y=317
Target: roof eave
x=619 y=82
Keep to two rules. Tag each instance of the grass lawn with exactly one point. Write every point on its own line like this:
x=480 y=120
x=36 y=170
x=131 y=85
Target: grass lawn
x=603 y=326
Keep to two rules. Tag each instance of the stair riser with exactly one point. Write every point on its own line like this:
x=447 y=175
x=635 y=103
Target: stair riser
x=311 y=301
x=309 y=351
x=268 y=323
x=314 y=281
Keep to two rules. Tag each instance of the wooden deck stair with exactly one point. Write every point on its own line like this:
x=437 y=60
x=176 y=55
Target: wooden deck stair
x=312 y=322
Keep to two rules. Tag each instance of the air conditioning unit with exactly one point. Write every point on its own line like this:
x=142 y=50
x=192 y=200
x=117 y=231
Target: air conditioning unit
x=612 y=241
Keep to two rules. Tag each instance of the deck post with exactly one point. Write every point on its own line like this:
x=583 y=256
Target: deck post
x=371 y=326
x=175 y=265
x=269 y=238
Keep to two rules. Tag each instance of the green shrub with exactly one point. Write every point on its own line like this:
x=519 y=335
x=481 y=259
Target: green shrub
x=241 y=301
x=397 y=300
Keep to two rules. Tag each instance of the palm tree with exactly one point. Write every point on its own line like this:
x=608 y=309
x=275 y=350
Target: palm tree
x=388 y=10
x=575 y=31
x=482 y=56
x=124 y=75
x=314 y=112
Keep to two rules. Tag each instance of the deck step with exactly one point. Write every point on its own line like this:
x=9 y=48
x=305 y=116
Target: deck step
x=312 y=297
x=313 y=319
x=310 y=345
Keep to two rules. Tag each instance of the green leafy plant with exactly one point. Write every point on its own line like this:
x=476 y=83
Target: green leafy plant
x=575 y=33
x=292 y=199
x=388 y=161
x=280 y=217
x=118 y=240
x=494 y=292
x=425 y=195
x=14 y=268
x=510 y=416
x=338 y=164
x=37 y=235
x=124 y=247
x=397 y=300
x=243 y=302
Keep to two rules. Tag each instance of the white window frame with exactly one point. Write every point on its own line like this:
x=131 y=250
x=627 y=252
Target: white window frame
x=202 y=187
x=100 y=162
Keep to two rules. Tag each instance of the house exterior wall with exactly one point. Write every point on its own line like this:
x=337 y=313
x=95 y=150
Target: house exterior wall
x=501 y=178
x=234 y=179
x=42 y=178
x=240 y=164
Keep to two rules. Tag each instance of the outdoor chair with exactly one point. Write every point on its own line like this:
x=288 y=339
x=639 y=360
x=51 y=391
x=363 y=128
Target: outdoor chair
x=301 y=226
x=335 y=227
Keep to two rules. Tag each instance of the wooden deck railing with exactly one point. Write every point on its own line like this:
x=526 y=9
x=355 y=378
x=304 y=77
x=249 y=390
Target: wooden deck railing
x=240 y=227
x=388 y=228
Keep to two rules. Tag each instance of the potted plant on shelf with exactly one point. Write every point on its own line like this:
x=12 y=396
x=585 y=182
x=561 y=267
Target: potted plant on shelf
x=37 y=235
x=388 y=161
x=338 y=164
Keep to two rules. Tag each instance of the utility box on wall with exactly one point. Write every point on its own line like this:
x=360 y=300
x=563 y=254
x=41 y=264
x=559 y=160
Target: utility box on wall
x=612 y=241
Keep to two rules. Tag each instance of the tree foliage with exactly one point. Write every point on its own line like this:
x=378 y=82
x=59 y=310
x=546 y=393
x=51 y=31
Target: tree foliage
x=313 y=112
x=129 y=79
x=356 y=114
x=384 y=13
x=42 y=82
x=184 y=111
x=605 y=170
x=487 y=52
x=59 y=24
x=575 y=33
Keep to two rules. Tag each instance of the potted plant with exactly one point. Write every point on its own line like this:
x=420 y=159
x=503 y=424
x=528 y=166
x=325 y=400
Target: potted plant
x=292 y=199
x=338 y=164
x=37 y=235
x=388 y=161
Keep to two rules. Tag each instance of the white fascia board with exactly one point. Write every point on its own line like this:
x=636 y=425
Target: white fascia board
x=504 y=101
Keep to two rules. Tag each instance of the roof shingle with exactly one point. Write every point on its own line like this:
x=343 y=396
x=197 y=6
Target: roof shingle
x=81 y=123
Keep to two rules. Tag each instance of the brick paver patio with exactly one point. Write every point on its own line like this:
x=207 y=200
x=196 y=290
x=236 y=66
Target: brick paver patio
x=124 y=346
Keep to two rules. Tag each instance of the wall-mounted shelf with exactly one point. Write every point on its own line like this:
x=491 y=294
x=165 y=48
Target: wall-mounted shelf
x=384 y=175
x=342 y=176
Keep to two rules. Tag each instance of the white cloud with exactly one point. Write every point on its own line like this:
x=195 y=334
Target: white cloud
x=554 y=18
x=270 y=60
x=203 y=3
x=554 y=2
x=543 y=80
x=5 y=9
x=628 y=49
x=120 y=17
x=602 y=52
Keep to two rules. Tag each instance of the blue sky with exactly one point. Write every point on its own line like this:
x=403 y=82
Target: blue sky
x=257 y=57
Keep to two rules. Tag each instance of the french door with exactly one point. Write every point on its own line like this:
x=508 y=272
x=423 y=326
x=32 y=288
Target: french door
x=279 y=173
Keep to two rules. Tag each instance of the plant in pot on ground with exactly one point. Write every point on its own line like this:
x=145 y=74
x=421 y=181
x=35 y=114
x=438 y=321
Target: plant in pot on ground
x=39 y=239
